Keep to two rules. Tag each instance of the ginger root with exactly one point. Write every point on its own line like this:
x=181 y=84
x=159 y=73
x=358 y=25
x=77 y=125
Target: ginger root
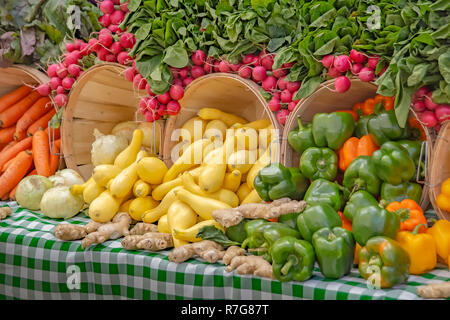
x=151 y=241
x=115 y=229
x=231 y=217
x=435 y=290
x=143 y=228
x=208 y=250
x=232 y=252
x=255 y=265
x=5 y=212
x=69 y=232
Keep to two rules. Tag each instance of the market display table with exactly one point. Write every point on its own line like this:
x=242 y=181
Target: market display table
x=36 y=265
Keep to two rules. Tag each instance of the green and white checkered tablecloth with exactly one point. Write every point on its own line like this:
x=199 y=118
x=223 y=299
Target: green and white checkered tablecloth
x=36 y=265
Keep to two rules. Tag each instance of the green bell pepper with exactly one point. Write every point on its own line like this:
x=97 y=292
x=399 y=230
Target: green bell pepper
x=384 y=127
x=406 y=190
x=357 y=201
x=361 y=126
x=374 y=221
x=292 y=259
x=237 y=232
x=324 y=191
x=317 y=217
x=332 y=129
x=265 y=235
x=393 y=163
x=361 y=174
x=414 y=148
x=274 y=182
x=319 y=163
x=250 y=228
x=334 y=249
x=301 y=184
x=301 y=138
x=289 y=219
x=384 y=262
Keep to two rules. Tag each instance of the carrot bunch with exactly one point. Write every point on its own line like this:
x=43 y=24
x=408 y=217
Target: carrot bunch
x=24 y=138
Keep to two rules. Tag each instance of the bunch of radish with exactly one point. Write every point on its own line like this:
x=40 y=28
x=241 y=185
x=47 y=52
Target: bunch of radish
x=113 y=14
x=431 y=114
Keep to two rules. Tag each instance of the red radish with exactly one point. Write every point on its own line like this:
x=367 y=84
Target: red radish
x=235 y=67
x=250 y=59
x=156 y=115
x=117 y=17
x=216 y=66
x=116 y=48
x=55 y=82
x=114 y=28
x=173 y=107
x=176 y=92
x=149 y=116
x=101 y=53
x=429 y=103
x=274 y=104
x=366 y=74
x=105 y=20
x=187 y=81
x=76 y=54
x=334 y=73
x=286 y=96
x=269 y=83
x=137 y=81
x=177 y=82
x=84 y=49
x=197 y=72
x=111 y=57
x=61 y=99
x=129 y=73
x=372 y=62
x=198 y=57
x=93 y=45
x=382 y=71
x=259 y=73
x=44 y=89
x=175 y=72
x=209 y=65
x=292 y=105
x=60 y=89
x=442 y=112
x=127 y=40
x=124 y=58
x=282 y=116
x=293 y=86
x=143 y=103
x=288 y=65
x=107 y=6
x=342 y=84
x=183 y=72
x=419 y=106
x=342 y=63
x=224 y=66
x=356 y=68
x=104 y=30
x=357 y=57
x=61 y=71
x=148 y=89
x=162 y=110
x=69 y=59
x=428 y=118
x=105 y=39
x=327 y=61
x=164 y=98
x=124 y=6
x=267 y=61
x=276 y=94
x=420 y=93
x=51 y=70
x=282 y=84
x=70 y=46
x=67 y=83
x=278 y=73
x=245 y=72
x=153 y=103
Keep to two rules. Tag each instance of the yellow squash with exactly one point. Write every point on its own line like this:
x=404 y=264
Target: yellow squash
x=215 y=129
x=124 y=181
x=163 y=224
x=215 y=114
x=213 y=173
x=105 y=172
x=203 y=206
x=193 y=129
x=129 y=154
x=252 y=197
x=190 y=234
x=151 y=170
x=160 y=191
x=125 y=206
x=104 y=207
x=77 y=189
x=247 y=138
x=154 y=214
x=139 y=205
x=92 y=191
x=257 y=124
x=243 y=192
x=241 y=160
x=232 y=180
x=141 y=188
x=262 y=162
x=180 y=216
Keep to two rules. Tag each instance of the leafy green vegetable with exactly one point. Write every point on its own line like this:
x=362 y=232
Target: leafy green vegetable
x=214 y=234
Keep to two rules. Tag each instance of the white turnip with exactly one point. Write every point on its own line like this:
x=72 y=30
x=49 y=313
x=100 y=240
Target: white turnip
x=342 y=84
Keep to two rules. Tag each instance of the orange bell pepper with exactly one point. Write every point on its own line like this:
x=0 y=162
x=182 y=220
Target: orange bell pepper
x=440 y=232
x=354 y=148
x=414 y=123
x=368 y=106
x=443 y=199
x=421 y=249
x=411 y=214
x=357 y=250
x=346 y=224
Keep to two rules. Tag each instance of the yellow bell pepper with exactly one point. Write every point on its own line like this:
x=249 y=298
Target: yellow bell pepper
x=421 y=249
x=443 y=199
x=440 y=232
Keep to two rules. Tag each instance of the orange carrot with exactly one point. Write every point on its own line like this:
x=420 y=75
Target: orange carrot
x=11 y=152
x=54 y=134
x=7 y=134
x=7 y=164
x=37 y=110
x=15 y=172
x=12 y=194
x=13 y=113
x=42 y=122
x=13 y=97
x=54 y=156
x=41 y=153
